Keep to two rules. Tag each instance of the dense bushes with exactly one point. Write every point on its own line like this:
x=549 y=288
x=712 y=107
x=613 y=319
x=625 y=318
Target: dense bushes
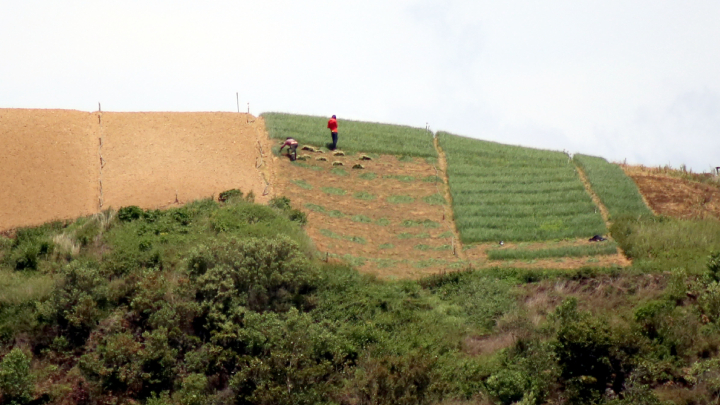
x=222 y=303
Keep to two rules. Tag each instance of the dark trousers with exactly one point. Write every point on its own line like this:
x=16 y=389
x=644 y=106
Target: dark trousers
x=334 y=138
x=292 y=151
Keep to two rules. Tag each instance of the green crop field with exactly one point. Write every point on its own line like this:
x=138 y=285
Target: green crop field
x=616 y=190
x=503 y=192
x=600 y=249
x=353 y=136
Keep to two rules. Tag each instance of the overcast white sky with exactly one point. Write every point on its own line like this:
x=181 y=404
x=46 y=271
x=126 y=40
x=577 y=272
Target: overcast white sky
x=636 y=80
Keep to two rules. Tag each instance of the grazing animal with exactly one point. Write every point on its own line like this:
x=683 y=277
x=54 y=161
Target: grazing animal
x=502 y=243
x=597 y=238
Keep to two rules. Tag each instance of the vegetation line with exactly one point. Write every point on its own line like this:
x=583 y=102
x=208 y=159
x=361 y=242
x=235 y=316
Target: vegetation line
x=442 y=162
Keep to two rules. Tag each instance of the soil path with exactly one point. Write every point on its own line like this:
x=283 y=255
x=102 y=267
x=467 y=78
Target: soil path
x=442 y=163
x=51 y=166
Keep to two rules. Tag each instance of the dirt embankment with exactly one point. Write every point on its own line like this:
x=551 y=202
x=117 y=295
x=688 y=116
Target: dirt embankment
x=51 y=166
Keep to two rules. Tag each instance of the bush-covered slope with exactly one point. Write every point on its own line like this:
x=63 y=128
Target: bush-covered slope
x=223 y=303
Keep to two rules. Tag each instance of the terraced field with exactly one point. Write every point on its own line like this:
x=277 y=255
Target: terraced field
x=510 y=193
x=388 y=218
x=391 y=217
x=616 y=190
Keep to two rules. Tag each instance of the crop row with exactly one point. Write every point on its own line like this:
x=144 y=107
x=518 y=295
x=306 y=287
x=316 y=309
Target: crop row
x=503 y=192
x=602 y=249
x=354 y=136
x=615 y=189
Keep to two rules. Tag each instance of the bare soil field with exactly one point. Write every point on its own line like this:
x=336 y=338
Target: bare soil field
x=377 y=218
x=51 y=166
x=154 y=160
x=674 y=196
x=48 y=166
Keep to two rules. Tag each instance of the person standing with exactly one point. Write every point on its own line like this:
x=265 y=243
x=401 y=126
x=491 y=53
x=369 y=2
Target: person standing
x=333 y=126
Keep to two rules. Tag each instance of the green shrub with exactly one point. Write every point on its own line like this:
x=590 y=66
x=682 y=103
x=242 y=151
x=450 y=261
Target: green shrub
x=130 y=213
x=260 y=274
x=229 y=194
x=16 y=382
x=508 y=386
x=298 y=216
x=714 y=266
x=281 y=203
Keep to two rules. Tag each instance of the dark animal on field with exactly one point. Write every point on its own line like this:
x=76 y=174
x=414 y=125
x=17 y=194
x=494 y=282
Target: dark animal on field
x=597 y=238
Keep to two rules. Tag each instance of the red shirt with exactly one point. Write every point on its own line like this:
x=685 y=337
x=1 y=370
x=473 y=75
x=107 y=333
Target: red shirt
x=332 y=124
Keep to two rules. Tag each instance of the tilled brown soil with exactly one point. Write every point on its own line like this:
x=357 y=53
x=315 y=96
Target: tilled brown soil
x=51 y=166
x=48 y=166
x=674 y=196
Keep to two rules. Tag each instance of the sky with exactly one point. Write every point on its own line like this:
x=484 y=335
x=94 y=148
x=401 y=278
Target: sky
x=635 y=81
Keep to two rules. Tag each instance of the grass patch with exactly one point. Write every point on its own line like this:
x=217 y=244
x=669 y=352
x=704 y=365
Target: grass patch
x=362 y=219
x=422 y=247
x=400 y=199
x=382 y=222
x=368 y=176
x=335 y=214
x=386 y=246
x=432 y=179
x=353 y=136
x=315 y=207
x=597 y=249
x=435 y=199
x=409 y=223
x=405 y=179
x=408 y=235
x=303 y=184
x=364 y=195
x=334 y=191
x=330 y=234
x=338 y=171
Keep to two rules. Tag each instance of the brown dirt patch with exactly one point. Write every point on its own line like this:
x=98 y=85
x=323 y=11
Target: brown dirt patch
x=48 y=166
x=51 y=166
x=674 y=196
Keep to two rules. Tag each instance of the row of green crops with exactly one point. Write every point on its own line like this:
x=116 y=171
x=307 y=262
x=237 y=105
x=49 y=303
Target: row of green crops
x=354 y=136
x=503 y=192
x=599 y=249
x=616 y=190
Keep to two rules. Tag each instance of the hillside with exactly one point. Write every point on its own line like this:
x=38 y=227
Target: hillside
x=372 y=285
